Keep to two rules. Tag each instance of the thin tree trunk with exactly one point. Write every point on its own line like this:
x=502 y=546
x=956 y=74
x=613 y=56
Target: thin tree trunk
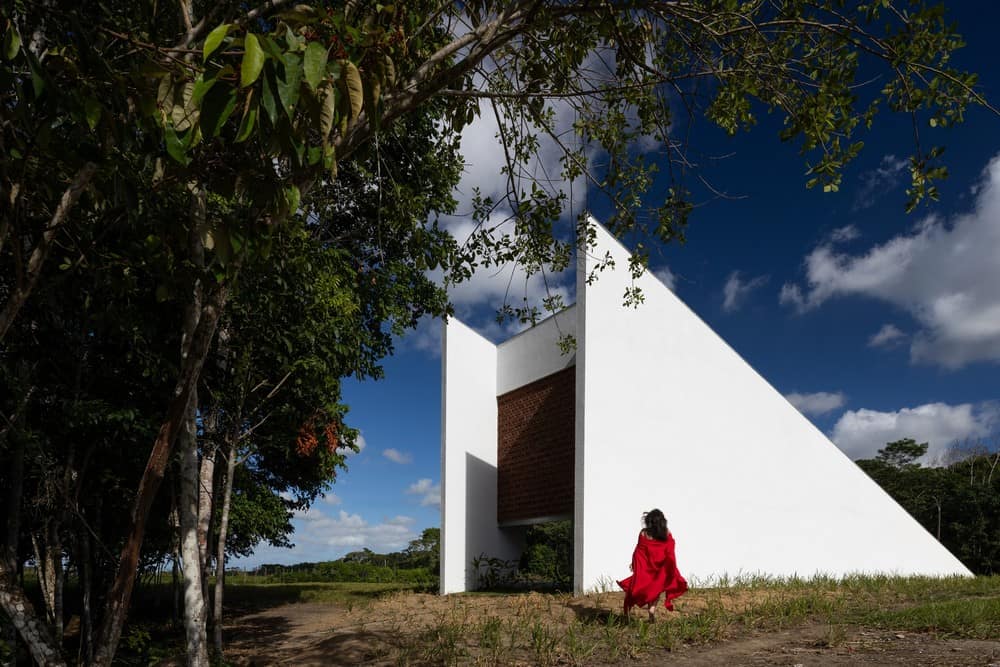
x=121 y=589
x=41 y=251
x=54 y=565
x=220 y=555
x=194 y=591
x=33 y=631
x=46 y=572
x=86 y=614
x=190 y=471
x=175 y=569
x=206 y=481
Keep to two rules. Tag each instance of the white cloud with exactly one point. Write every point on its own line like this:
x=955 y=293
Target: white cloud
x=666 y=277
x=430 y=493
x=861 y=433
x=888 y=336
x=359 y=442
x=426 y=337
x=320 y=536
x=483 y=152
x=844 y=234
x=791 y=295
x=489 y=289
x=352 y=531
x=397 y=456
x=943 y=273
x=737 y=290
x=331 y=498
x=818 y=403
x=876 y=181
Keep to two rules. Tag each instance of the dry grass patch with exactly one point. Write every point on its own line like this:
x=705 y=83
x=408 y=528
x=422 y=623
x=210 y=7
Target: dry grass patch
x=408 y=628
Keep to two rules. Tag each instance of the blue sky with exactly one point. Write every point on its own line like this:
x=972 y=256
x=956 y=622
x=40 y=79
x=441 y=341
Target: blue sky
x=877 y=324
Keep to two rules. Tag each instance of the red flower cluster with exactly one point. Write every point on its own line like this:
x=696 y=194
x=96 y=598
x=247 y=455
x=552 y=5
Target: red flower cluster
x=307 y=440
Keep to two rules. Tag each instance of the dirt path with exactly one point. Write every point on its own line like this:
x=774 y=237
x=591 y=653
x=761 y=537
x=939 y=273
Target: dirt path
x=395 y=630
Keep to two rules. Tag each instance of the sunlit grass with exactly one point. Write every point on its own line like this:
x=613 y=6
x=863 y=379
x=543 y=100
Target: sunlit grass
x=540 y=629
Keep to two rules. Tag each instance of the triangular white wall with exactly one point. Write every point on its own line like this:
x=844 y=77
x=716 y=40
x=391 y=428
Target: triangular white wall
x=669 y=416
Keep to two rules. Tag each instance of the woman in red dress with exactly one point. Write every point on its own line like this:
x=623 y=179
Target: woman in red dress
x=654 y=568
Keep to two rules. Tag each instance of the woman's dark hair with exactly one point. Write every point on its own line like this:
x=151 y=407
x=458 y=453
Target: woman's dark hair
x=656 y=525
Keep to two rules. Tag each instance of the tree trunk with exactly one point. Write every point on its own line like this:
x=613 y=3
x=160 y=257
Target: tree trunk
x=205 y=488
x=220 y=555
x=86 y=589
x=121 y=590
x=48 y=555
x=33 y=631
x=194 y=591
x=54 y=565
x=190 y=471
x=46 y=571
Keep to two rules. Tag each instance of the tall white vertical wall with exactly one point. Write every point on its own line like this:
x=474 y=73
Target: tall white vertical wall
x=469 y=458
x=669 y=416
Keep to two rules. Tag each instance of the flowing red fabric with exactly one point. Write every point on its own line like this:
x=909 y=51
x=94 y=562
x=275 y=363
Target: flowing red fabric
x=654 y=571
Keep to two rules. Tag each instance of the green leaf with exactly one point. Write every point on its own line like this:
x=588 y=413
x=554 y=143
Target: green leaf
x=92 y=109
x=315 y=64
x=249 y=120
x=332 y=157
x=217 y=108
x=292 y=199
x=214 y=39
x=206 y=80
x=185 y=112
x=253 y=60
x=327 y=110
x=177 y=144
x=37 y=73
x=289 y=84
x=268 y=96
x=11 y=42
x=351 y=80
x=271 y=48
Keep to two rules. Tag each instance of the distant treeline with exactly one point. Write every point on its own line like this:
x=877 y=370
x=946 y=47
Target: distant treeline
x=417 y=564
x=958 y=503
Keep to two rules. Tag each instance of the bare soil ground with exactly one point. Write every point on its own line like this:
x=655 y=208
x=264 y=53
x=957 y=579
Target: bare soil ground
x=413 y=628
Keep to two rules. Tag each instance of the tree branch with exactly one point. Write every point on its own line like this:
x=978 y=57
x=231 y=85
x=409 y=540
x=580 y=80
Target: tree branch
x=41 y=251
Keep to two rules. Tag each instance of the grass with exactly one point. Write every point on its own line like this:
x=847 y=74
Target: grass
x=247 y=597
x=560 y=629
x=408 y=628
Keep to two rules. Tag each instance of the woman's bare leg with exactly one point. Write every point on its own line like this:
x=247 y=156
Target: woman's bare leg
x=652 y=607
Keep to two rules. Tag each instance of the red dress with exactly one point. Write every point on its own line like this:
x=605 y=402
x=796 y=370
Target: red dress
x=654 y=571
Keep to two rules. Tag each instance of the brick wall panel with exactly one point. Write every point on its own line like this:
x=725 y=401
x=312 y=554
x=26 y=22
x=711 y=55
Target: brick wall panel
x=535 y=448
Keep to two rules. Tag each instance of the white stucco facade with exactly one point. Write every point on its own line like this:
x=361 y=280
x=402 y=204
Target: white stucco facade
x=469 y=458
x=669 y=416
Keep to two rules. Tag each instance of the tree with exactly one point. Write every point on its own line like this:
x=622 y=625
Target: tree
x=902 y=454
x=425 y=551
x=198 y=131
x=958 y=503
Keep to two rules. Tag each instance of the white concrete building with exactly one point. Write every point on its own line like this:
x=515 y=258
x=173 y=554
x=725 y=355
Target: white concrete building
x=652 y=410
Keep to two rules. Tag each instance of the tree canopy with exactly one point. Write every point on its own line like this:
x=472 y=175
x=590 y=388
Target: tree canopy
x=958 y=503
